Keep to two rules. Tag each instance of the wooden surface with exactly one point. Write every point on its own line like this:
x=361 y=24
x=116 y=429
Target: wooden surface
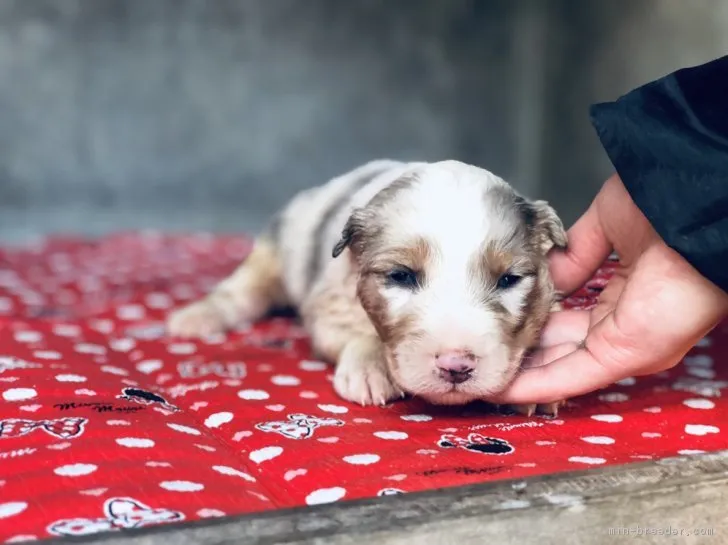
x=666 y=499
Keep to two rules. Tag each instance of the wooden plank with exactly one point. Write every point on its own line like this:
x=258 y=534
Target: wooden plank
x=662 y=498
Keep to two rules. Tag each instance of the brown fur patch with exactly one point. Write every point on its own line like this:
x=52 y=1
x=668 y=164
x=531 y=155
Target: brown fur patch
x=364 y=225
x=380 y=259
x=417 y=255
x=522 y=256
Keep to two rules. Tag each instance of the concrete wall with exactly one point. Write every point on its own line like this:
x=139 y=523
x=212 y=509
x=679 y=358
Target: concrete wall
x=194 y=114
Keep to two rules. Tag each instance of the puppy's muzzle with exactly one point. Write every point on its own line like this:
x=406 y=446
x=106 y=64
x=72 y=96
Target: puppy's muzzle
x=455 y=367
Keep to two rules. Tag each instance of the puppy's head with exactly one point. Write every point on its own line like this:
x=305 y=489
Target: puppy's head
x=454 y=277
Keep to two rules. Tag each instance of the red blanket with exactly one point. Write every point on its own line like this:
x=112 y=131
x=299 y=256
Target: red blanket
x=107 y=424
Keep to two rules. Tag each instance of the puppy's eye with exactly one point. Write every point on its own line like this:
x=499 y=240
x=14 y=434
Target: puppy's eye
x=508 y=281
x=403 y=278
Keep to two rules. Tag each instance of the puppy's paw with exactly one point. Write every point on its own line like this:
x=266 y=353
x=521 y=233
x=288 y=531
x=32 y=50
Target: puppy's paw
x=199 y=319
x=361 y=376
x=548 y=409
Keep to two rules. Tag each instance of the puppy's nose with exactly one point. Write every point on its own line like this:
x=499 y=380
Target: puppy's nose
x=455 y=367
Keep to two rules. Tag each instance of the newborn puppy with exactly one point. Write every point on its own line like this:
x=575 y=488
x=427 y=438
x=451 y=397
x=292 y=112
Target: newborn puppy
x=428 y=279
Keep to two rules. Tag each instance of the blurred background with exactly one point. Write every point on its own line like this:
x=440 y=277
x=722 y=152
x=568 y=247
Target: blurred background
x=185 y=115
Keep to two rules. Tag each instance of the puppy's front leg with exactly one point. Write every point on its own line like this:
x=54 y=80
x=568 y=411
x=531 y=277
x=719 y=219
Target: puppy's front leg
x=361 y=373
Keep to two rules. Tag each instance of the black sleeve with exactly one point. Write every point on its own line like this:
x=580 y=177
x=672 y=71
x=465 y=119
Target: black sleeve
x=668 y=141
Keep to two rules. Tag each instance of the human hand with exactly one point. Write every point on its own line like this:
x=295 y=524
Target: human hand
x=650 y=314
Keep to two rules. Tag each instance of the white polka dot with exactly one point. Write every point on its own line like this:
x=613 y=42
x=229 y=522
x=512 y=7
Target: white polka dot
x=308 y=365
x=265 y=368
x=22 y=538
x=218 y=419
x=598 y=440
x=184 y=429
x=118 y=423
x=416 y=417
x=587 y=460
x=275 y=408
x=699 y=403
x=130 y=312
x=265 y=454
x=30 y=408
x=705 y=341
x=59 y=446
x=362 y=459
x=149 y=366
x=699 y=360
x=28 y=336
x=335 y=409
x=544 y=443
x=627 y=381
x=113 y=370
x=135 y=442
x=225 y=470
x=285 y=380
x=181 y=349
x=614 y=397
x=325 y=495
x=329 y=440
x=181 y=486
x=84 y=392
x=700 y=429
x=701 y=372
x=690 y=452
x=70 y=378
x=611 y=418
x=653 y=410
x=362 y=421
x=158 y=464
x=86 y=348
x=67 y=330
x=242 y=435
x=308 y=395
x=19 y=394
x=47 y=355
x=11 y=509
x=158 y=301
x=122 y=345
x=391 y=435
x=210 y=513
x=651 y=434
x=253 y=395
x=292 y=474
x=75 y=470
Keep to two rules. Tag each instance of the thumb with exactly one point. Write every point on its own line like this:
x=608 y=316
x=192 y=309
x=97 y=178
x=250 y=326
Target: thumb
x=588 y=248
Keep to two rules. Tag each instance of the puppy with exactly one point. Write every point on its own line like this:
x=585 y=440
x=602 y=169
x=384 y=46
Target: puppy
x=427 y=279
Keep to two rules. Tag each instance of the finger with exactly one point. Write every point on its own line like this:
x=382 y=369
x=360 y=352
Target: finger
x=600 y=362
x=547 y=355
x=565 y=326
x=587 y=250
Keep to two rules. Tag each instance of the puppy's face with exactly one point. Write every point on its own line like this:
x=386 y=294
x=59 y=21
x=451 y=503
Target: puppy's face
x=453 y=275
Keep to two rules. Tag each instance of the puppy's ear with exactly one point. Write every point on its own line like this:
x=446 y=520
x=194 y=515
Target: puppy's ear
x=352 y=232
x=547 y=226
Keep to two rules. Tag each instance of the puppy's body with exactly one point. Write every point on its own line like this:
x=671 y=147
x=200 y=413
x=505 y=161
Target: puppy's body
x=437 y=286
